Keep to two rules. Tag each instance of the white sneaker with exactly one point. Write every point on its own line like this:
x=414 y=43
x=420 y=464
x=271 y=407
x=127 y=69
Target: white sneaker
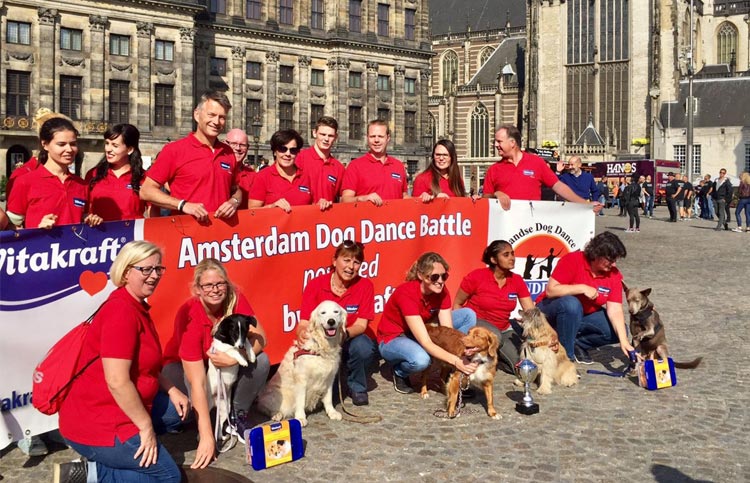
x=33 y=446
x=737 y=230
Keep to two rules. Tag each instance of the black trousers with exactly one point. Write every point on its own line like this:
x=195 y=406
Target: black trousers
x=672 y=207
x=634 y=216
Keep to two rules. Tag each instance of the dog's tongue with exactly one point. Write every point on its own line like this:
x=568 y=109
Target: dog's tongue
x=330 y=332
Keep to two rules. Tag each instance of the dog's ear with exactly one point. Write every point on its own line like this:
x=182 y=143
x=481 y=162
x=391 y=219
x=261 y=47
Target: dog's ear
x=494 y=343
x=646 y=292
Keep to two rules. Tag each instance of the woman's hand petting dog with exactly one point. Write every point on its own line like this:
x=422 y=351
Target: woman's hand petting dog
x=464 y=365
x=221 y=359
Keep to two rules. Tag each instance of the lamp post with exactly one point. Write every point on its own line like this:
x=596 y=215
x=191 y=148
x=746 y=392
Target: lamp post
x=427 y=143
x=256 y=124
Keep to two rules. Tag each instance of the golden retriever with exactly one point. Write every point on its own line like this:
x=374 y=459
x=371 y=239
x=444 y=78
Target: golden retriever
x=542 y=346
x=306 y=374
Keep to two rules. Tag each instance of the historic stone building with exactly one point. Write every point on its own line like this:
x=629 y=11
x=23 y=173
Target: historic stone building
x=478 y=77
x=282 y=63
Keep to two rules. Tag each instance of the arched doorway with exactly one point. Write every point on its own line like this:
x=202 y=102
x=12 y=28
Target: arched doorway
x=15 y=157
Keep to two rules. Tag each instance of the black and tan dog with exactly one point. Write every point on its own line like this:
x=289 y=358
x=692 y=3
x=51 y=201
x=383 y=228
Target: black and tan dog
x=647 y=329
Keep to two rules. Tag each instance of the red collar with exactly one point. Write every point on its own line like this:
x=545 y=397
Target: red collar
x=304 y=352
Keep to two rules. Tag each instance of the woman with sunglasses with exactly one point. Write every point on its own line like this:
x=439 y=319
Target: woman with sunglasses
x=283 y=185
x=186 y=354
x=442 y=178
x=344 y=286
x=583 y=298
x=402 y=337
x=492 y=293
x=107 y=416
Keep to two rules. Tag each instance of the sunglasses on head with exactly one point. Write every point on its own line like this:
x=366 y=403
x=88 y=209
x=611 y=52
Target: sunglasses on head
x=352 y=244
x=283 y=149
x=437 y=276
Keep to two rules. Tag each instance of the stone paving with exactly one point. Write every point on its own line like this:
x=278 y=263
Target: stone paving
x=605 y=429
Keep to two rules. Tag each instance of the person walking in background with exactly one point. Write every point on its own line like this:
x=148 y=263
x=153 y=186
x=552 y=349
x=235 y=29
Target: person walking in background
x=672 y=189
x=631 y=198
x=603 y=188
x=709 y=184
x=621 y=187
x=648 y=188
x=688 y=191
x=722 y=197
x=743 y=204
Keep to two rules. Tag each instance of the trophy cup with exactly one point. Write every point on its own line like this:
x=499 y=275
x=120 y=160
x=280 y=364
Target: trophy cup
x=527 y=372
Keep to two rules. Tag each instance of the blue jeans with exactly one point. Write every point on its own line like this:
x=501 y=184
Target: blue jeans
x=743 y=204
x=360 y=353
x=649 y=211
x=574 y=328
x=603 y=201
x=116 y=463
x=407 y=357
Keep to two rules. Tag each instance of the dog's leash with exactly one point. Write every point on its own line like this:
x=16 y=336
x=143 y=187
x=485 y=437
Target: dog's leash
x=350 y=416
x=625 y=373
x=443 y=412
x=222 y=398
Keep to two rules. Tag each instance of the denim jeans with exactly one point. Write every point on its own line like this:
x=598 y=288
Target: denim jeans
x=116 y=463
x=743 y=204
x=649 y=206
x=359 y=354
x=405 y=354
x=574 y=328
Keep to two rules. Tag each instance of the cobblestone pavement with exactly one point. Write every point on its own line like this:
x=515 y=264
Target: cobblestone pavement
x=605 y=429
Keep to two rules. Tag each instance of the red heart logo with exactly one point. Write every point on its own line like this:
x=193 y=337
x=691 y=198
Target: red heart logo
x=92 y=283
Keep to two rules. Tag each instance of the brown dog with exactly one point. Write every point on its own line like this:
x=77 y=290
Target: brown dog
x=647 y=329
x=486 y=343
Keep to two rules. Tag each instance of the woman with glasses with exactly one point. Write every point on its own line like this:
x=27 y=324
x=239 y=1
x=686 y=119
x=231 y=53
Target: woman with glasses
x=107 y=414
x=283 y=185
x=583 y=299
x=493 y=293
x=186 y=354
x=442 y=178
x=344 y=286
x=423 y=299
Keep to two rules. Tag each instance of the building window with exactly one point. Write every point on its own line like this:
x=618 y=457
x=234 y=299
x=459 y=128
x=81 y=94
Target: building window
x=316 y=112
x=355 y=80
x=696 y=159
x=480 y=132
x=450 y=72
x=252 y=112
x=253 y=9
x=17 y=92
x=726 y=44
x=355 y=16
x=286 y=115
x=680 y=155
x=119 y=45
x=18 y=33
x=410 y=126
x=317 y=15
x=218 y=66
x=119 y=101
x=286 y=12
x=217 y=6
x=747 y=157
x=70 y=96
x=164 y=50
x=485 y=55
x=384 y=83
x=412 y=166
x=410 y=85
x=286 y=74
x=355 y=123
x=252 y=70
x=164 y=105
x=71 y=39
x=317 y=77
x=383 y=11
x=410 y=16
x=384 y=114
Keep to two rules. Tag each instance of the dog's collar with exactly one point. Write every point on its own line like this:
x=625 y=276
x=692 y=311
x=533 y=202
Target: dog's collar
x=644 y=314
x=554 y=344
x=304 y=352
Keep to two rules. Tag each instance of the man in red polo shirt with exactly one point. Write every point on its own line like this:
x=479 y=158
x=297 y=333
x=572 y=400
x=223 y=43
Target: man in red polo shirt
x=199 y=169
x=326 y=172
x=375 y=177
x=237 y=140
x=519 y=175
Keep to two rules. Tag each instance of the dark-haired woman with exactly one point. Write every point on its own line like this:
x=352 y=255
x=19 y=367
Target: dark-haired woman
x=285 y=184
x=442 y=178
x=344 y=286
x=50 y=194
x=115 y=183
x=583 y=299
x=493 y=293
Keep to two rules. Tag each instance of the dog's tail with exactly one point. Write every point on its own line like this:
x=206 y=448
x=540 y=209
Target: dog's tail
x=688 y=365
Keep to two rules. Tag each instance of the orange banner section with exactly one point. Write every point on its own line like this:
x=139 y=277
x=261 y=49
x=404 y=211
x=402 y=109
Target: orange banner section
x=271 y=255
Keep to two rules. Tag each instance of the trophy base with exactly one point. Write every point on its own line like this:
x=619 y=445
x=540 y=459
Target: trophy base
x=527 y=410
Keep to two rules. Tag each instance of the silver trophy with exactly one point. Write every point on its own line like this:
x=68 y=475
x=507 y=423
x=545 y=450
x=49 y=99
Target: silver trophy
x=527 y=372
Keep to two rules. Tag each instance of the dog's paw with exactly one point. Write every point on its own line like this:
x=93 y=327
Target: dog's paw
x=335 y=415
x=544 y=390
x=302 y=421
x=251 y=356
x=278 y=416
x=495 y=416
x=424 y=395
x=518 y=383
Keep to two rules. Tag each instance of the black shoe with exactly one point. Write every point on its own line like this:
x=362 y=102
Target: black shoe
x=73 y=472
x=582 y=356
x=402 y=385
x=360 y=398
x=239 y=424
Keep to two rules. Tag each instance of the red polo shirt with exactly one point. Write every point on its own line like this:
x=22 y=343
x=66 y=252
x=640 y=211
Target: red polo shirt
x=574 y=268
x=423 y=184
x=358 y=300
x=26 y=168
x=40 y=192
x=269 y=186
x=522 y=182
x=245 y=179
x=367 y=175
x=408 y=300
x=122 y=329
x=113 y=198
x=490 y=302
x=192 y=337
x=326 y=175
x=195 y=172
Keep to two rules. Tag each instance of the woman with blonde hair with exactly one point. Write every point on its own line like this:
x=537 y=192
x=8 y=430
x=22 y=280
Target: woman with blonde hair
x=423 y=299
x=743 y=204
x=186 y=354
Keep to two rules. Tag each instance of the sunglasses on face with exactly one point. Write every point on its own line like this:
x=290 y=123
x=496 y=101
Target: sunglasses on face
x=437 y=276
x=284 y=149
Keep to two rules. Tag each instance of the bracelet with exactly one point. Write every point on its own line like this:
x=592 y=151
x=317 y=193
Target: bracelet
x=181 y=205
x=234 y=200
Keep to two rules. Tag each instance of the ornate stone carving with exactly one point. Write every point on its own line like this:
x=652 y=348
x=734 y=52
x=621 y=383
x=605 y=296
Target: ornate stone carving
x=238 y=52
x=425 y=74
x=22 y=57
x=286 y=91
x=165 y=70
x=72 y=61
x=97 y=23
x=272 y=56
x=399 y=70
x=372 y=66
x=47 y=16
x=304 y=60
x=121 y=67
x=145 y=29
x=338 y=63
x=253 y=88
x=187 y=34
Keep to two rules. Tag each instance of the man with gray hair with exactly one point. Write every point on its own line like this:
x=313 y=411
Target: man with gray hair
x=581 y=182
x=199 y=169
